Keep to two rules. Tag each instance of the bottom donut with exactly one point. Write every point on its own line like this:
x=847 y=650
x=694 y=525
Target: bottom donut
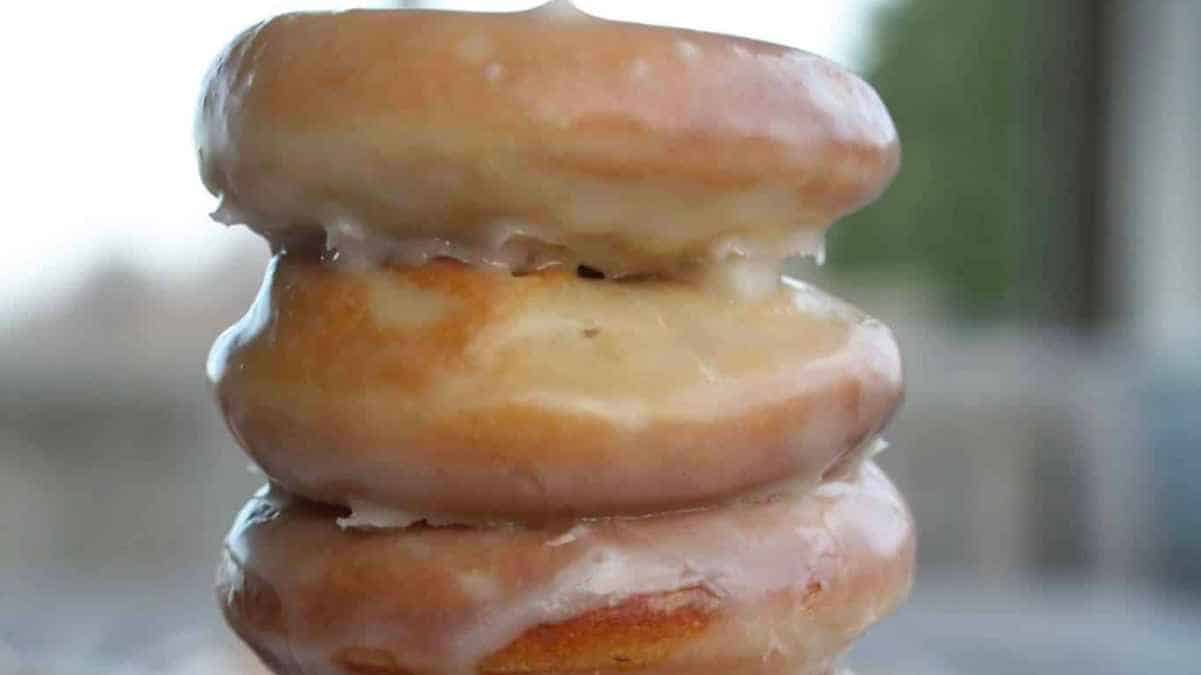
x=780 y=585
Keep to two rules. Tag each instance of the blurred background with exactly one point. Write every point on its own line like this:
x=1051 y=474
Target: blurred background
x=1038 y=258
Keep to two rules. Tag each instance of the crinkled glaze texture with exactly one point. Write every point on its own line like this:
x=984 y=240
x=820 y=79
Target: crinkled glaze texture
x=624 y=147
x=452 y=390
x=777 y=587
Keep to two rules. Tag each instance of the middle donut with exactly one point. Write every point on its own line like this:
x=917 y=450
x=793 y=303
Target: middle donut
x=449 y=393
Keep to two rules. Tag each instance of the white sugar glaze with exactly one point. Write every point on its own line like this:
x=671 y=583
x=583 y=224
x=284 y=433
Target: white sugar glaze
x=441 y=600
x=739 y=266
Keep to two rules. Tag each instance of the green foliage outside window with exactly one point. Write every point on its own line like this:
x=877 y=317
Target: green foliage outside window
x=950 y=71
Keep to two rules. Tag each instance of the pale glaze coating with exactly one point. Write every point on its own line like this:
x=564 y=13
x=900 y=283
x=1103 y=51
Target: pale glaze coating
x=473 y=395
x=624 y=147
x=666 y=474
x=779 y=587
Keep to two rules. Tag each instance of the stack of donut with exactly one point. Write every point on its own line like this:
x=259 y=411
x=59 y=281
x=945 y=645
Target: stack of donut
x=529 y=389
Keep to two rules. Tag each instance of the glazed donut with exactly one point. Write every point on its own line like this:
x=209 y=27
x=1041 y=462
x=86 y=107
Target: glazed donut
x=464 y=394
x=774 y=587
x=529 y=388
x=523 y=138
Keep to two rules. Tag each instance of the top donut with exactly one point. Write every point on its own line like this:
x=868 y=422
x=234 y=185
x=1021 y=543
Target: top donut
x=538 y=137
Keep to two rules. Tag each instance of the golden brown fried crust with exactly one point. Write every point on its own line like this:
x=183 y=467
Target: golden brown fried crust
x=637 y=634
x=449 y=389
x=775 y=588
